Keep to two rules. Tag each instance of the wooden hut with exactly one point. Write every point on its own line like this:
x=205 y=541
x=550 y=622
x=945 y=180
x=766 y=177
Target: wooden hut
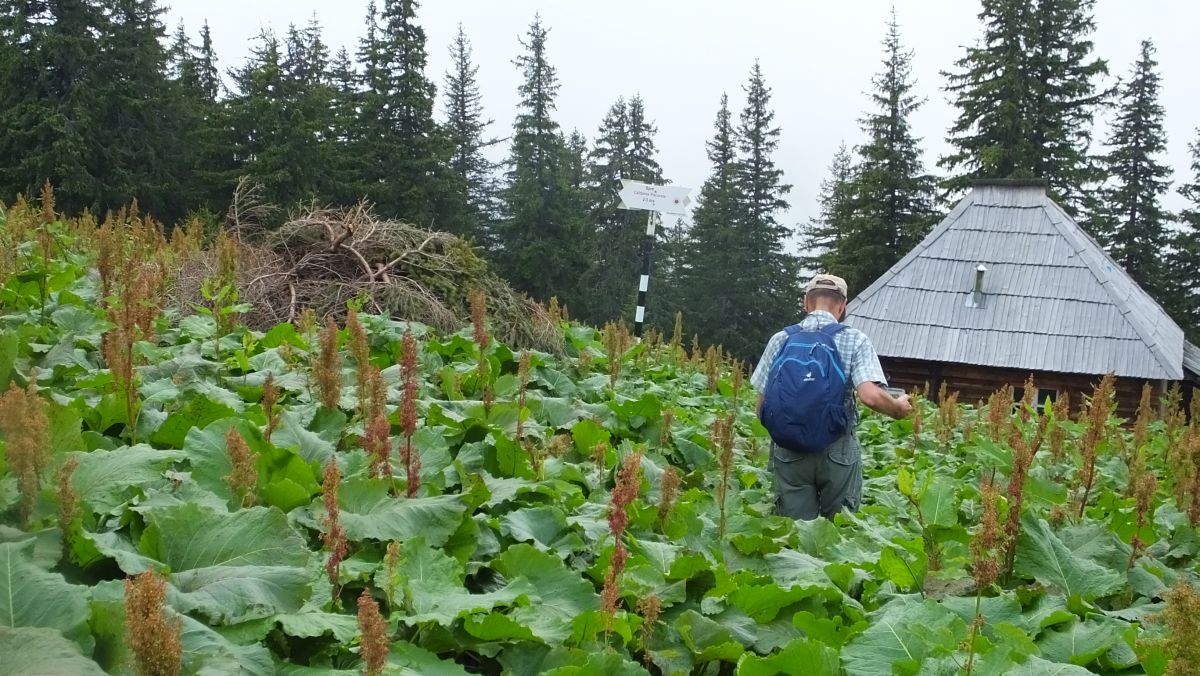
x=1008 y=285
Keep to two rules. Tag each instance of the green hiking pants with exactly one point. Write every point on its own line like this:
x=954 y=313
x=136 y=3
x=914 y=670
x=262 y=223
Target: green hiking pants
x=808 y=485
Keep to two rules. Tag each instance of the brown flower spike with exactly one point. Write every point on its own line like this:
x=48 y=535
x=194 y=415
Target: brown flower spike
x=1098 y=411
x=152 y=637
x=624 y=493
x=375 y=643
x=25 y=429
x=333 y=537
x=988 y=541
x=669 y=491
x=68 y=499
x=329 y=367
x=243 y=476
x=270 y=400
x=408 y=413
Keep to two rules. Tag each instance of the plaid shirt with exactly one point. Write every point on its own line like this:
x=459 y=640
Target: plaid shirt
x=854 y=348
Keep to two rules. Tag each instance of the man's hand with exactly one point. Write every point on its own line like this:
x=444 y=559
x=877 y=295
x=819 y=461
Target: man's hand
x=878 y=399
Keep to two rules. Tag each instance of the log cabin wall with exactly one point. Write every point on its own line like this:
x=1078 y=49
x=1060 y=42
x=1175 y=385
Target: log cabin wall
x=977 y=383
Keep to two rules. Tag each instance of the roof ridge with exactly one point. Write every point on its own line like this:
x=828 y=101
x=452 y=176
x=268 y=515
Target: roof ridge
x=1081 y=241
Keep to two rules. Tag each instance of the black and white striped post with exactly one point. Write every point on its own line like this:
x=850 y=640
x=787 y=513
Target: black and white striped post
x=639 y=316
x=657 y=199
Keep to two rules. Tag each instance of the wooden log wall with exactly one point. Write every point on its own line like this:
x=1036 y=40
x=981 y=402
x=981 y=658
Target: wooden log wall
x=977 y=383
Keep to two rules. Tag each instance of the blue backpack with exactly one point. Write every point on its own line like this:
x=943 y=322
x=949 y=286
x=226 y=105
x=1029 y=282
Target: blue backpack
x=804 y=405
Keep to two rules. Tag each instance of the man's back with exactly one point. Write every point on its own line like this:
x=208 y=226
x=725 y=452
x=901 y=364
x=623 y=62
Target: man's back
x=854 y=349
x=825 y=482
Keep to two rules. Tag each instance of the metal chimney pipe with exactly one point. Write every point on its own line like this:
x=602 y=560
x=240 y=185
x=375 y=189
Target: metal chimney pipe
x=979 y=278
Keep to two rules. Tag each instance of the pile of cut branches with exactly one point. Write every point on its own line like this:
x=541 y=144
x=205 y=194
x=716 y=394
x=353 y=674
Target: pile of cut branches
x=324 y=258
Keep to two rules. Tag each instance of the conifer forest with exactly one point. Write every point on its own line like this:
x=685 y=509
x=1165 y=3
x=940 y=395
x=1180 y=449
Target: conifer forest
x=315 y=362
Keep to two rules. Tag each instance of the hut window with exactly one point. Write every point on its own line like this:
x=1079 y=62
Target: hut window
x=1043 y=395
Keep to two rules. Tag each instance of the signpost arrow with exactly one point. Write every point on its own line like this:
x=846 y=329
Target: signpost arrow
x=666 y=199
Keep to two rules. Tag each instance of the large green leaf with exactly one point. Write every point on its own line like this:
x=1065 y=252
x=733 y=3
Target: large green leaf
x=207 y=653
x=800 y=656
x=10 y=343
x=199 y=412
x=369 y=512
x=414 y=660
x=106 y=480
x=313 y=624
x=232 y=567
x=606 y=663
x=545 y=527
x=430 y=584
x=313 y=447
x=1042 y=556
x=708 y=640
x=30 y=651
x=496 y=626
x=33 y=597
x=1036 y=666
x=939 y=505
x=561 y=594
x=1083 y=642
x=902 y=635
x=762 y=602
x=65 y=429
x=208 y=455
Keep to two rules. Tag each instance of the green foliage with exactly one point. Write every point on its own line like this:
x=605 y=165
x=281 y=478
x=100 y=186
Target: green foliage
x=1132 y=221
x=874 y=213
x=1186 y=260
x=467 y=128
x=542 y=230
x=1026 y=98
x=404 y=156
x=83 y=92
x=498 y=562
x=740 y=286
x=624 y=149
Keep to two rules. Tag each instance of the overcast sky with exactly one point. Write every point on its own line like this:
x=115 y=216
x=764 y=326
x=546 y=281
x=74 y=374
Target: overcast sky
x=680 y=55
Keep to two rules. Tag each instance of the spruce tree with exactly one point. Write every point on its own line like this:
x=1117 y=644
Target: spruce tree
x=540 y=235
x=1133 y=222
x=137 y=142
x=259 y=121
x=624 y=149
x=47 y=130
x=83 y=93
x=1185 y=261
x=577 y=155
x=822 y=240
x=183 y=66
x=767 y=288
x=347 y=169
x=406 y=155
x=707 y=268
x=1026 y=97
x=669 y=277
x=892 y=203
x=467 y=126
x=309 y=117
x=204 y=157
x=208 y=76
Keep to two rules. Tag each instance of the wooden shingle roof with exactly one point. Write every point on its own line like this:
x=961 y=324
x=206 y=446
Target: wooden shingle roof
x=1053 y=299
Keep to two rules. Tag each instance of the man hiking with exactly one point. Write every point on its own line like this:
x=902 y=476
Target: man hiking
x=807 y=379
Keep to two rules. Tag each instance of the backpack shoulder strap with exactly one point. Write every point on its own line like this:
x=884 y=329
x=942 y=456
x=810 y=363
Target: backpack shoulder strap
x=792 y=330
x=833 y=329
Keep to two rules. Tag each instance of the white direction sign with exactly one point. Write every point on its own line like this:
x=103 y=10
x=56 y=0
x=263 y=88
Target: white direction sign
x=666 y=199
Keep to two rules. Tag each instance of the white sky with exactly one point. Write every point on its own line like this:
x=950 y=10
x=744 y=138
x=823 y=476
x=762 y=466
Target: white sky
x=680 y=55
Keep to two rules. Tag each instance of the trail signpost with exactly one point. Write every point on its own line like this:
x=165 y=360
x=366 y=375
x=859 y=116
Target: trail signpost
x=656 y=199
